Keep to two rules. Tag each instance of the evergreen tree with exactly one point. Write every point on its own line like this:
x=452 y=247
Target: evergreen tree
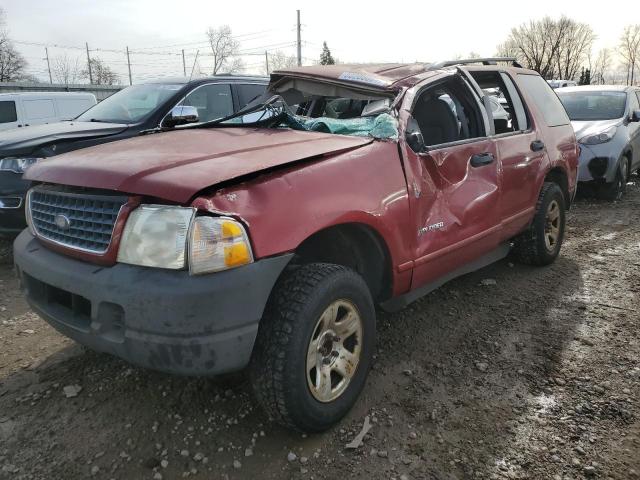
x=325 y=56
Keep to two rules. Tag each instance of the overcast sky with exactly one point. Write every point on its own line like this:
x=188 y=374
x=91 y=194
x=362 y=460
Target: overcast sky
x=156 y=30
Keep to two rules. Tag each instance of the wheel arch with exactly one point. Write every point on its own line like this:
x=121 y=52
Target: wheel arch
x=559 y=176
x=358 y=246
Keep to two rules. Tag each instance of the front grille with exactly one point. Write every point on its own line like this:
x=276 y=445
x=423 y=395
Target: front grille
x=80 y=221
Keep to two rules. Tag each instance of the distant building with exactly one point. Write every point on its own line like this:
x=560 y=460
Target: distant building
x=100 y=91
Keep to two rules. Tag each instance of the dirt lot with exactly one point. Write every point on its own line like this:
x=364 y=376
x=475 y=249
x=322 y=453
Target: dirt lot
x=536 y=376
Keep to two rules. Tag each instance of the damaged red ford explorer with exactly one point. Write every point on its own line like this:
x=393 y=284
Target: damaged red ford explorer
x=266 y=238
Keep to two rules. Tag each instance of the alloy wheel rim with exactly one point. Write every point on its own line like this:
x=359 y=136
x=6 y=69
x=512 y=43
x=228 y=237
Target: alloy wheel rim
x=334 y=351
x=552 y=226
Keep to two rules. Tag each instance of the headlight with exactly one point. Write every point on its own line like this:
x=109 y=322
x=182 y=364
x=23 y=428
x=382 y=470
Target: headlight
x=597 y=138
x=156 y=236
x=16 y=165
x=217 y=243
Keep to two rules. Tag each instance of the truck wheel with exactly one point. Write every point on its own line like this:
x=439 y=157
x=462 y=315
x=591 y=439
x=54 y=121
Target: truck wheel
x=540 y=243
x=314 y=346
x=615 y=190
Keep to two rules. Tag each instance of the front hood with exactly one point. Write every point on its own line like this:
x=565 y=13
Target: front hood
x=19 y=141
x=177 y=165
x=592 y=127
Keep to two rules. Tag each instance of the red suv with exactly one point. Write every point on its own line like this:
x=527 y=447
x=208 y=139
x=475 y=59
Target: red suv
x=265 y=238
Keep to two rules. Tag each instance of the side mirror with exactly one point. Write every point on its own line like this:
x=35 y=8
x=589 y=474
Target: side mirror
x=635 y=116
x=180 y=115
x=414 y=137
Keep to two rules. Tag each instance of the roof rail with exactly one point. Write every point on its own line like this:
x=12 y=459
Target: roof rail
x=484 y=61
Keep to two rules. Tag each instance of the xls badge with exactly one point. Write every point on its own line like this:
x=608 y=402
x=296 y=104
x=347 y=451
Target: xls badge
x=430 y=228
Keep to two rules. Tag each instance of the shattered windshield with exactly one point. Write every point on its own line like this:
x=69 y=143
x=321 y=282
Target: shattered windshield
x=358 y=115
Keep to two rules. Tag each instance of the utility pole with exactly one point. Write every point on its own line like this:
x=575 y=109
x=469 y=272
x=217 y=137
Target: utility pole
x=89 y=64
x=46 y=50
x=299 y=41
x=184 y=64
x=129 y=65
x=266 y=61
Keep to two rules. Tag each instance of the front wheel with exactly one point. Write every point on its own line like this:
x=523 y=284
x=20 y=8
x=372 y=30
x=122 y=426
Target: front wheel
x=540 y=243
x=314 y=346
x=615 y=190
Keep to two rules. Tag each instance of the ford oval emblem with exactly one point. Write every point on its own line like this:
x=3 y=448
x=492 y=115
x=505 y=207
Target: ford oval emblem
x=62 y=222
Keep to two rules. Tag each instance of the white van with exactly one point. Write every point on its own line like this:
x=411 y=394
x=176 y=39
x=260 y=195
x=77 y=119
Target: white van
x=36 y=108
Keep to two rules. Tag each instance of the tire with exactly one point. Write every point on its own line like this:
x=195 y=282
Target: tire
x=615 y=190
x=535 y=246
x=294 y=336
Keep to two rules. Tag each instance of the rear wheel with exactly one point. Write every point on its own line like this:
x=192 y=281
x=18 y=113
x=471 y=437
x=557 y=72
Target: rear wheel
x=540 y=244
x=615 y=190
x=314 y=347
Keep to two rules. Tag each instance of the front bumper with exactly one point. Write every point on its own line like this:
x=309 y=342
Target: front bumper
x=597 y=163
x=12 y=194
x=160 y=319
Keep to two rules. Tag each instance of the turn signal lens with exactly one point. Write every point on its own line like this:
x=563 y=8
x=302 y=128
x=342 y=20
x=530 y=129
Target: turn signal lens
x=217 y=243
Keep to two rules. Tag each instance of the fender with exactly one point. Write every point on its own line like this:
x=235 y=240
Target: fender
x=285 y=207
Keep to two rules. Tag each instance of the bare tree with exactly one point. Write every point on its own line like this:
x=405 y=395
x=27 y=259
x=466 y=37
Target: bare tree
x=65 y=70
x=551 y=47
x=601 y=67
x=12 y=63
x=101 y=73
x=279 y=60
x=224 y=49
x=629 y=50
x=575 y=46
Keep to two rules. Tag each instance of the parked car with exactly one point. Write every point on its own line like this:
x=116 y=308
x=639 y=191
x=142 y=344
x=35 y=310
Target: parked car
x=22 y=110
x=561 y=83
x=606 y=120
x=125 y=114
x=264 y=239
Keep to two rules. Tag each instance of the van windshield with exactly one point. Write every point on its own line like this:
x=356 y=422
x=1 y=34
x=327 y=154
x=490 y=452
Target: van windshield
x=130 y=105
x=594 y=105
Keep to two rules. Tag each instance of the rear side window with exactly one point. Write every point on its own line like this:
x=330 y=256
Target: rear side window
x=8 y=112
x=249 y=92
x=38 y=109
x=546 y=99
x=522 y=122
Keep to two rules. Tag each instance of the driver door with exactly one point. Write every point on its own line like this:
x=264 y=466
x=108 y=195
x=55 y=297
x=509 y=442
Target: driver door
x=453 y=181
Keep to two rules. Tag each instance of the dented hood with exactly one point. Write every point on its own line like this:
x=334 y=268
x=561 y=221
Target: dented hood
x=176 y=165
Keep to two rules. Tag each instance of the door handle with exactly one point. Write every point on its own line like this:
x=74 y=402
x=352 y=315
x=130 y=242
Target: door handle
x=537 y=145
x=480 y=159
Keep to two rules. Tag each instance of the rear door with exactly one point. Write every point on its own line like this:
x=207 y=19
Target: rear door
x=70 y=108
x=453 y=183
x=38 y=111
x=520 y=148
x=553 y=126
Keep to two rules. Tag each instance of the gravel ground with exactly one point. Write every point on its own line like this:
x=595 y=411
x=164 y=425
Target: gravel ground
x=536 y=376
